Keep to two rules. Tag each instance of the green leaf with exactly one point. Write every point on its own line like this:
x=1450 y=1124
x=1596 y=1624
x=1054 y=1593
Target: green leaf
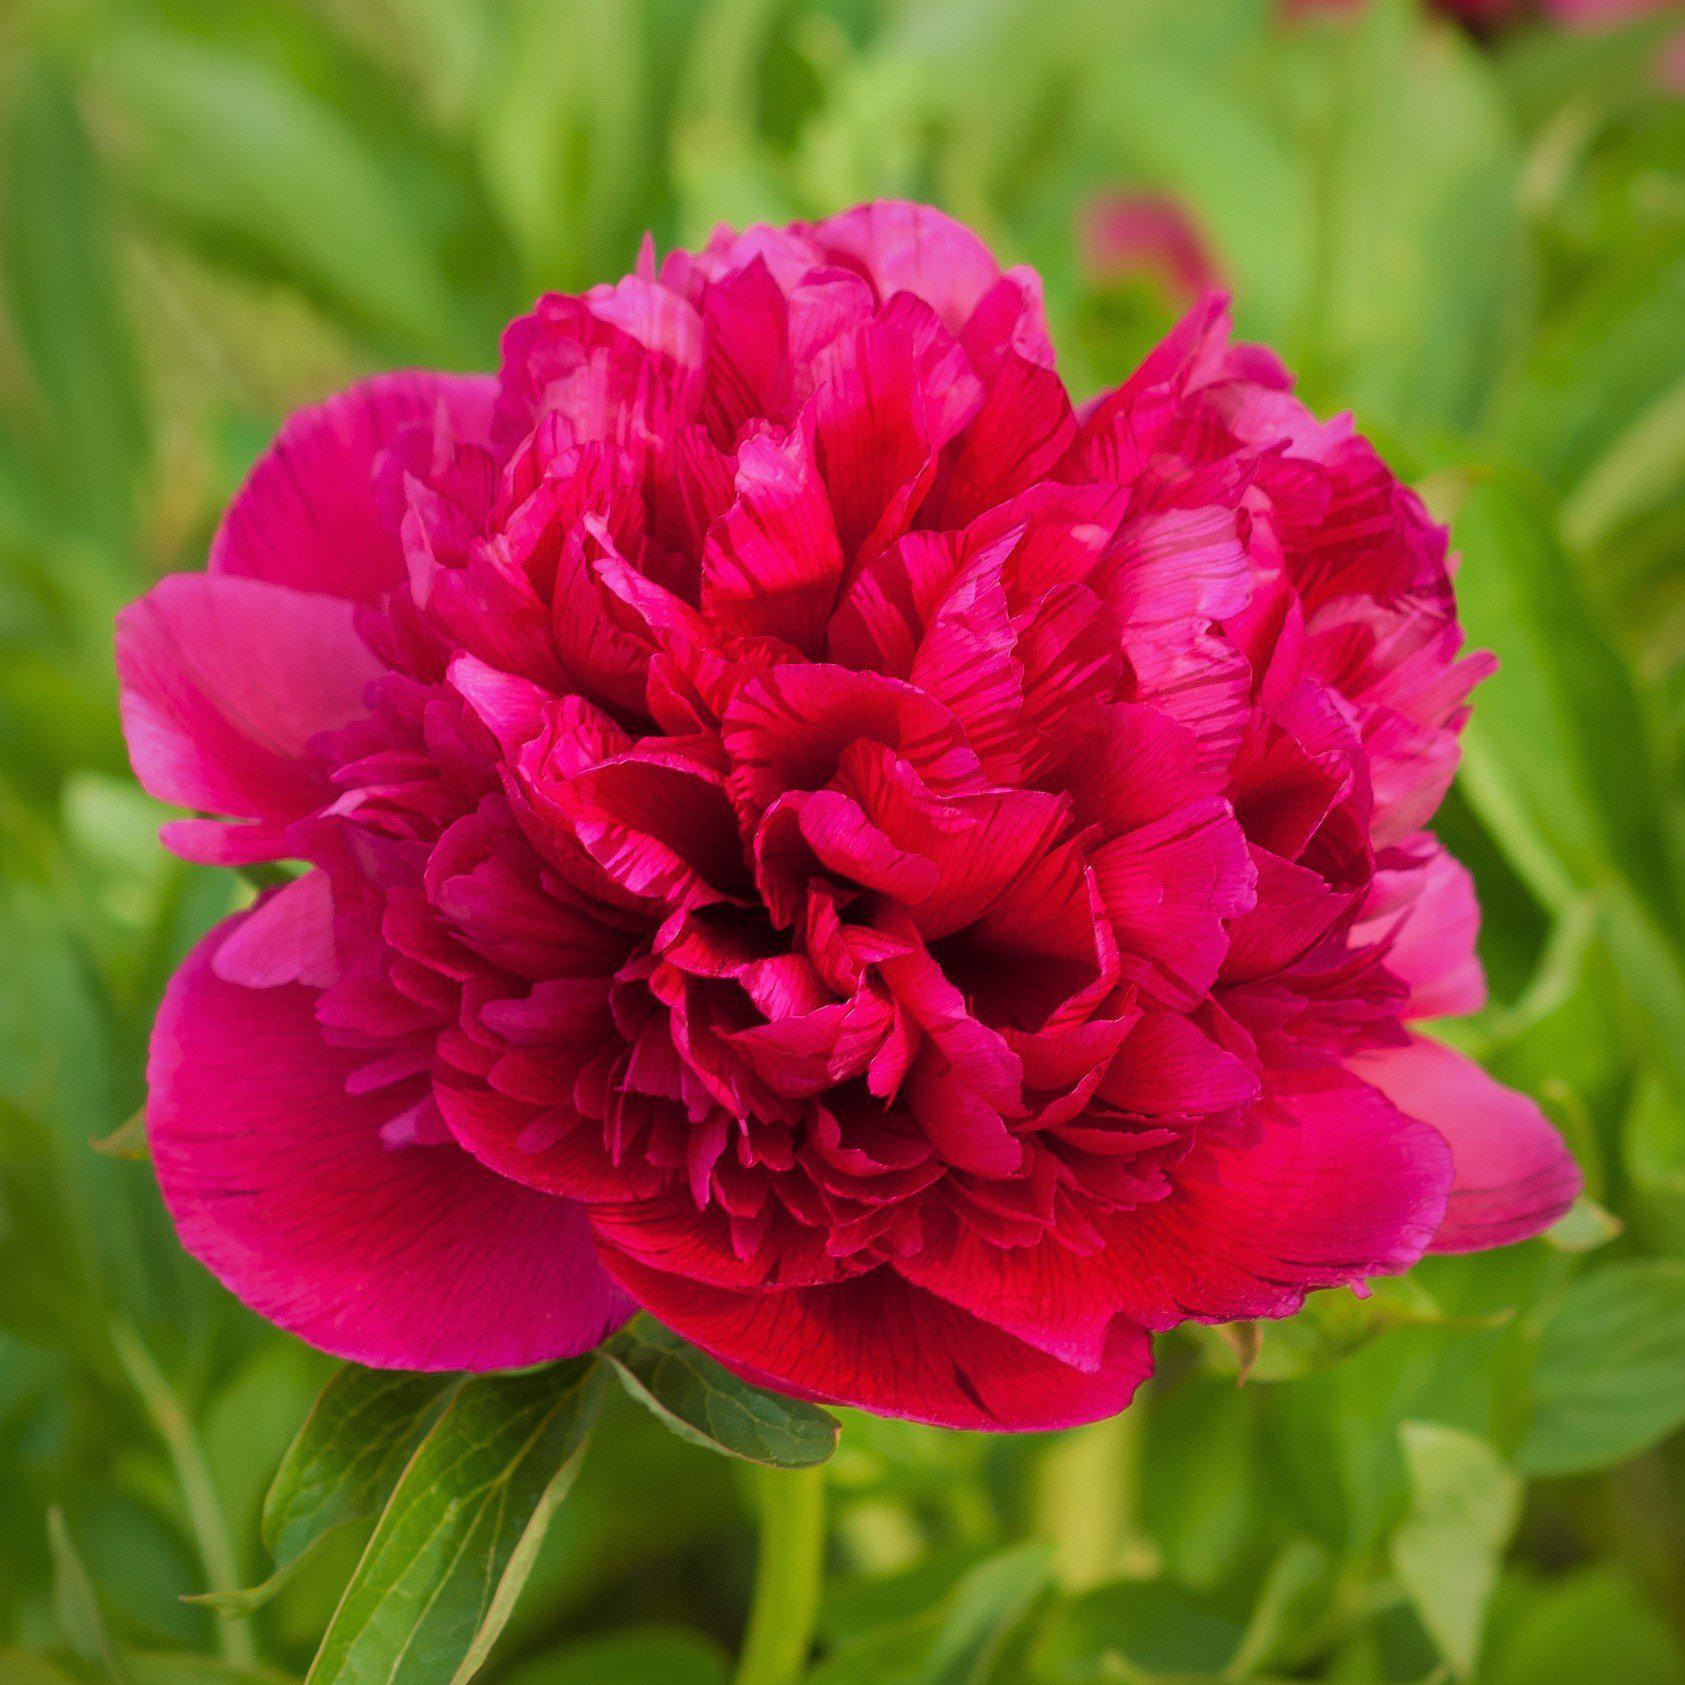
x=705 y=1403
x=1136 y=1629
x=1418 y=297
x=265 y=173
x=1641 y=470
x=1654 y=1138
x=341 y=1468
x=78 y=1610
x=1559 y=761
x=1587 y=1626
x=982 y=1614
x=1585 y=1227
x=1463 y=1507
x=1293 y=1591
x=347 y=1457
x=62 y=285
x=1606 y=359
x=651 y=1656
x=958 y=1641
x=565 y=137
x=155 y=1667
x=49 y=1292
x=457 y=1539
x=1610 y=1376
x=127 y=1140
x=19 y=1668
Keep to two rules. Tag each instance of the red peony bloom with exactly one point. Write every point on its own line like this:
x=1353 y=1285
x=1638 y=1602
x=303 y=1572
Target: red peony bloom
x=914 y=884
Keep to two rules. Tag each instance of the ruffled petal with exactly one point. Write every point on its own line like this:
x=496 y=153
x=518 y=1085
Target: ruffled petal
x=286 y=938
x=905 y=247
x=279 y=1181
x=1336 y=1185
x=1512 y=1175
x=308 y=515
x=773 y=562
x=224 y=684
x=880 y=1344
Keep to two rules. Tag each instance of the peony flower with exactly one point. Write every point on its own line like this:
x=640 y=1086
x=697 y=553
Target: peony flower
x=915 y=884
x=1125 y=236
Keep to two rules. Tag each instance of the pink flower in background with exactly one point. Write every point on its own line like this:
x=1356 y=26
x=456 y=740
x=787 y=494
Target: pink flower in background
x=1478 y=14
x=1670 y=66
x=1129 y=235
x=915 y=884
x=1481 y=15
x=1603 y=14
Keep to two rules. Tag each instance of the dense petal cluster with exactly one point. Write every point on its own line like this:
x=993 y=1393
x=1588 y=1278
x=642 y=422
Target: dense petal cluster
x=915 y=884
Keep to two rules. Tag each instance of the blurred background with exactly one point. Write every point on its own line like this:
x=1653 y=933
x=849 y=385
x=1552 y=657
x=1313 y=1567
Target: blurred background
x=1470 y=230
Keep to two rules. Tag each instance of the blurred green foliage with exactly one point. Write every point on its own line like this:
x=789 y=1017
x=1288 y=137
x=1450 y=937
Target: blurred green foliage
x=211 y=210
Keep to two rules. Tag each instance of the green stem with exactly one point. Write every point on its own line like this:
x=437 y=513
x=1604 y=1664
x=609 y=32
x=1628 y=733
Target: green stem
x=787 y=1576
x=1085 y=1500
x=198 y=1491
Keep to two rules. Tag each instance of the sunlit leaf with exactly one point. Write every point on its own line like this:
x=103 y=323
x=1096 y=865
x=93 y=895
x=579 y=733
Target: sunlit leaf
x=1463 y=1506
x=1586 y=1226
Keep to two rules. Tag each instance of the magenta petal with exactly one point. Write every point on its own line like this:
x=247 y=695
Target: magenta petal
x=402 y=1257
x=286 y=938
x=1060 y=1302
x=1512 y=1175
x=880 y=1344
x=1168 y=1065
x=906 y=247
x=1429 y=918
x=773 y=563
x=308 y=516
x=224 y=684
x=1337 y=1185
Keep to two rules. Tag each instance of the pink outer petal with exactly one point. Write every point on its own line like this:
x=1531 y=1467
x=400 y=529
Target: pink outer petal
x=1434 y=948
x=1336 y=1186
x=308 y=516
x=224 y=684
x=1513 y=1177
x=906 y=247
x=407 y=1258
x=882 y=1345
